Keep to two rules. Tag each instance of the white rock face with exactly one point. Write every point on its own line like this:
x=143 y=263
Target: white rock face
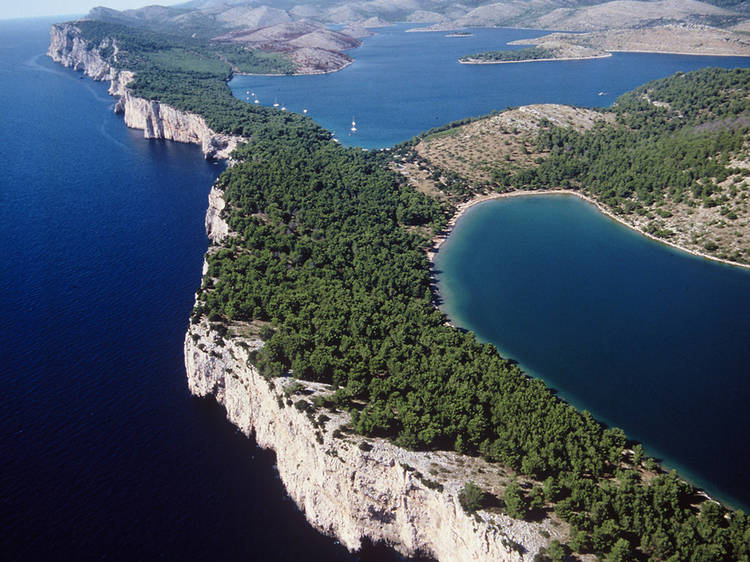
x=157 y=120
x=345 y=491
x=216 y=227
x=68 y=48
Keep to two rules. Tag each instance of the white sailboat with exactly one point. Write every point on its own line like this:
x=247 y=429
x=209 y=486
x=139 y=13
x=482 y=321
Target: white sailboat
x=354 y=126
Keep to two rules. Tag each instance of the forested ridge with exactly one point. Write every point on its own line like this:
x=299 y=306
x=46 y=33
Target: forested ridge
x=327 y=253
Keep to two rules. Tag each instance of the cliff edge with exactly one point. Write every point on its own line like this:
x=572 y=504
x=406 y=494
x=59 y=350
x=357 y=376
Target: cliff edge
x=157 y=120
x=349 y=486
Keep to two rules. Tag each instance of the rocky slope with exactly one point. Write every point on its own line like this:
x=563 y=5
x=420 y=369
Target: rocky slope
x=672 y=38
x=312 y=47
x=348 y=486
x=157 y=120
x=591 y=16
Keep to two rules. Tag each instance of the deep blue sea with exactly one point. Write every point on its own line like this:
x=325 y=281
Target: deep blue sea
x=646 y=337
x=104 y=455
x=103 y=452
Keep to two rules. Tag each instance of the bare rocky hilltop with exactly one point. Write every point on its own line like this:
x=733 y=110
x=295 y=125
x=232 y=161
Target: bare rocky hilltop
x=211 y=17
x=312 y=47
x=715 y=27
x=687 y=26
x=673 y=38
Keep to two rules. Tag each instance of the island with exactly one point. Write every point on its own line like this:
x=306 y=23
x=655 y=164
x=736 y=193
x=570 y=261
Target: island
x=685 y=39
x=548 y=51
x=315 y=323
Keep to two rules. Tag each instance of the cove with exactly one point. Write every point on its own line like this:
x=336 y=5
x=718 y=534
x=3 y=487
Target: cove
x=646 y=337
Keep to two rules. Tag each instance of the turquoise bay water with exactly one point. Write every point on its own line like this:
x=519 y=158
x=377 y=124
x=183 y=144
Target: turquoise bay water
x=646 y=337
x=401 y=84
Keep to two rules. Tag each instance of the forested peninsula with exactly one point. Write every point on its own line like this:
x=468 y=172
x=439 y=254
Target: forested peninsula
x=318 y=294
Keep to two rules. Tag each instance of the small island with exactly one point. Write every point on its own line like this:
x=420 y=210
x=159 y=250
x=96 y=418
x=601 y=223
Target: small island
x=459 y=34
x=686 y=39
x=543 y=52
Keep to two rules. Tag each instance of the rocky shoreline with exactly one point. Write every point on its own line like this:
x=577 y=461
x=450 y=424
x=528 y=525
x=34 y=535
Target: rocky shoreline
x=157 y=120
x=348 y=486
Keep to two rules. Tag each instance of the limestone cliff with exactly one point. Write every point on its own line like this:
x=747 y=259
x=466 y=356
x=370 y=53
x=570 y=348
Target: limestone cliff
x=349 y=486
x=157 y=120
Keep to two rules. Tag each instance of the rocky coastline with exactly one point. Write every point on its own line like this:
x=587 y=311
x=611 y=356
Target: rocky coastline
x=348 y=486
x=157 y=120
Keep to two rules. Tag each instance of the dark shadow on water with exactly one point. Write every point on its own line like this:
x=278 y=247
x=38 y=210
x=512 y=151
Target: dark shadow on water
x=259 y=465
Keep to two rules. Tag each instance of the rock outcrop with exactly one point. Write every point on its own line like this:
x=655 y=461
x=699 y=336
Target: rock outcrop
x=157 y=120
x=216 y=227
x=349 y=486
x=67 y=47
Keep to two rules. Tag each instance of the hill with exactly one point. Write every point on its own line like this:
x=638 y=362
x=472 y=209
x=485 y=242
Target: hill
x=209 y=17
x=658 y=162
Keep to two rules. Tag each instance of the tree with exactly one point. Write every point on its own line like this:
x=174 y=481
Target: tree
x=619 y=552
x=637 y=455
x=515 y=503
x=536 y=498
x=555 y=551
x=580 y=542
x=471 y=497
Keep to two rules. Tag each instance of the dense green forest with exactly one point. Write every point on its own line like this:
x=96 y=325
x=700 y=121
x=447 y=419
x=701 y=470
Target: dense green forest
x=329 y=254
x=528 y=53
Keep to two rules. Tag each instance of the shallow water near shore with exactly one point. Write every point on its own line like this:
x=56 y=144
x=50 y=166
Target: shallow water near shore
x=646 y=337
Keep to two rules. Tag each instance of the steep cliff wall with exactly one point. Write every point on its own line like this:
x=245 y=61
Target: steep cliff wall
x=348 y=486
x=157 y=120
